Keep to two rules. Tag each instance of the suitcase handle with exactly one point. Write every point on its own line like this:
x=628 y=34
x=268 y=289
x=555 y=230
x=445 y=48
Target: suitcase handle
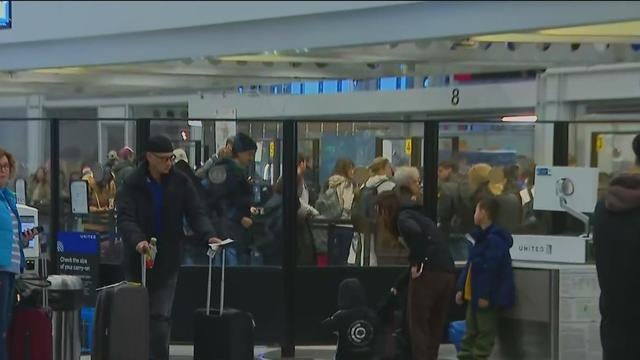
x=211 y=253
x=143 y=271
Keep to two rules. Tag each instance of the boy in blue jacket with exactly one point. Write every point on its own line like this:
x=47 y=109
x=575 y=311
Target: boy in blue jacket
x=486 y=284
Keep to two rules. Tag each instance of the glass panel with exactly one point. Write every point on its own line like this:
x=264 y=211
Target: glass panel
x=26 y=141
x=245 y=204
x=334 y=161
x=489 y=159
x=90 y=151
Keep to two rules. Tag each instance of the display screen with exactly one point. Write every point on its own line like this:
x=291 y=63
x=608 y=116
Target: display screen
x=28 y=222
x=5 y=14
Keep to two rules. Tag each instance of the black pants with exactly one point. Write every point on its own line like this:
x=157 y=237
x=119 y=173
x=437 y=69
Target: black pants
x=160 y=306
x=619 y=339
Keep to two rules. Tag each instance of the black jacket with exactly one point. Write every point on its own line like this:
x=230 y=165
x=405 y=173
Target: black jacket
x=617 y=243
x=426 y=243
x=358 y=326
x=135 y=222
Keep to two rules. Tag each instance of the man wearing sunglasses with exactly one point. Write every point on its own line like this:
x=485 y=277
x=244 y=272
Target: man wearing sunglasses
x=152 y=202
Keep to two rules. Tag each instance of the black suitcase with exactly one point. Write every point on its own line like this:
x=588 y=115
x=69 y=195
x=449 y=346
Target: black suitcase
x=121 y=323
x=222 y=335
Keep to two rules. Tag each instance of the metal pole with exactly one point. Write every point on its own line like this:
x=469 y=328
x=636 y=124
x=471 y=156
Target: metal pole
x=430 y=169
x=290 y=205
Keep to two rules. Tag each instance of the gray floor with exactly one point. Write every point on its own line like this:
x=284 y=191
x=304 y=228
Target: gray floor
x=447 y=352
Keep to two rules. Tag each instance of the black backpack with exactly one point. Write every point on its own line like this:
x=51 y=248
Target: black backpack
x=363 y=211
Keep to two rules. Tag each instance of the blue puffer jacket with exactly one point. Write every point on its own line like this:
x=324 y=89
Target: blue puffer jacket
x=491 y=271
x=6 y=228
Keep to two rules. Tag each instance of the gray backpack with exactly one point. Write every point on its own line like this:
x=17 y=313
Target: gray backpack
x=328 y=204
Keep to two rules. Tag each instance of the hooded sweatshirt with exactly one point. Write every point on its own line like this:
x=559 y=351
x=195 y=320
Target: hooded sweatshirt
x=617 y=246
x=356 y=324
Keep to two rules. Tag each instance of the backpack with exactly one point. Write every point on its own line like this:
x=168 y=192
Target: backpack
x=328 y=204
x=363 y=212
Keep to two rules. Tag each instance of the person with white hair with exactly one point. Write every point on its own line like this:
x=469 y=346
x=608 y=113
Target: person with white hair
x=181 y=163
x=407 y=181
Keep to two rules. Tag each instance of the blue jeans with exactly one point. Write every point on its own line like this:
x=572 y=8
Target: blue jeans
x=7 y=284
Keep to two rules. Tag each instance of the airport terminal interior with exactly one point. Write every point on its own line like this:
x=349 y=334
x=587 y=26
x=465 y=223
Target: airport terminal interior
x=444 y=104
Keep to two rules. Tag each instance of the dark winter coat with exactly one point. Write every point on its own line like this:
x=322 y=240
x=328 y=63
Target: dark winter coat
x=135 y=221
x=491 y=268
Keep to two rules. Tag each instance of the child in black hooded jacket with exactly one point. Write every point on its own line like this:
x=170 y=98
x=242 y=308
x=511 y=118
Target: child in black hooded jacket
x=355 y=323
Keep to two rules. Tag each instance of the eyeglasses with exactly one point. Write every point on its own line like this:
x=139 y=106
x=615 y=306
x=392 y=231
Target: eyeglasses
x=5 y=167
x=171 y=157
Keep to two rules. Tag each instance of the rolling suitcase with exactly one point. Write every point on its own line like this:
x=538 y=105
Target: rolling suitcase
x=222 y=334
x=121 y=323
x=30 y=333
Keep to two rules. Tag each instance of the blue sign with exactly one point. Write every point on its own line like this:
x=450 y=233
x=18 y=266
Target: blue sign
x=78 y=254
x=543 y=172
x=5 y=14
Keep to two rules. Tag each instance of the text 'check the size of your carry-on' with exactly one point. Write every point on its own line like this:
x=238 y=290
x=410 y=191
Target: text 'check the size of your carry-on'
x=222 y=334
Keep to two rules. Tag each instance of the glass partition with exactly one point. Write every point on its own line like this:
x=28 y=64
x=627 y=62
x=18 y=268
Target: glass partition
x=28 y=142
x=91 y=150
x=337 y=162
x=242 y=197
x=496 y=160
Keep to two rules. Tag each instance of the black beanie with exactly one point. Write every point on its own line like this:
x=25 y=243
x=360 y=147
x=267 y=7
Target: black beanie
x=636 y=148
x=242 y=143
x=159 y=144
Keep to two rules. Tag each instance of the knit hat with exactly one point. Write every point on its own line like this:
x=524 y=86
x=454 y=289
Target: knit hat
x=159 y=144
x=479 y=174
x=242 y=143
x=636 y=148
x=180 y=154
x=125 y=152
x=496 y=181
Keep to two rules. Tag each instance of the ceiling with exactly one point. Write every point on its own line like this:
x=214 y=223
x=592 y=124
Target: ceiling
x=595 y=44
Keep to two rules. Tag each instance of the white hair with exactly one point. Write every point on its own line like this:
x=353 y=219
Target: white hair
x=405 y=174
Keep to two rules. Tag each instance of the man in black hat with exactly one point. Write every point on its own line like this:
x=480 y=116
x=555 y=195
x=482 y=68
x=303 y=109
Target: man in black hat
x=616 y=236
x=230 y=197
x=152 y=203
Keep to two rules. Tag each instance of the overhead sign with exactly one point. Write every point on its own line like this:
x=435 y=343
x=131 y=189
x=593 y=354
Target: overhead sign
x=5 y=14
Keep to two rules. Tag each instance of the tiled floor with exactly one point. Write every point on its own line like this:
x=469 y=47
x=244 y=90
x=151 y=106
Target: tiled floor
x=447 y=352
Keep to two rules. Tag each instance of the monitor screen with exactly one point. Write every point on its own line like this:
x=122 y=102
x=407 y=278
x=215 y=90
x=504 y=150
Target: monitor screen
x=28 y=222
x=5 y=14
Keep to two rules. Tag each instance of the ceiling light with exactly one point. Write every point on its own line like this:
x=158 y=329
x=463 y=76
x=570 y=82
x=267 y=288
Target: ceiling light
x=524 y=118
x=486 y=45
x=543 y=46
x=195 y=123
x=213 y=61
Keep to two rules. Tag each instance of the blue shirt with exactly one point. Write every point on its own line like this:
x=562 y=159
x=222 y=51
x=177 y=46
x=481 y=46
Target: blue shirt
x=157 y=196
